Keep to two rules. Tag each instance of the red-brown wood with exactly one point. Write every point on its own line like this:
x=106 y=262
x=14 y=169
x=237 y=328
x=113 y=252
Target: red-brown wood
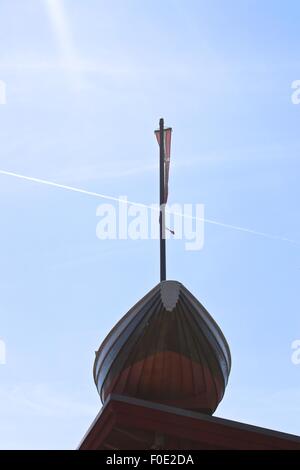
x=127 y=423
x=166 y=349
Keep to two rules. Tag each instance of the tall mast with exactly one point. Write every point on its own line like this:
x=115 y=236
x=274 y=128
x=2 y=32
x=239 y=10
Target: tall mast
x=162 y=228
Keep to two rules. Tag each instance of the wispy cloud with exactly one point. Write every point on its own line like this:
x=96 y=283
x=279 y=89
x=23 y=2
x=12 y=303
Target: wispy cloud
x=133 y=168
x=43 y=400
x=62 y=31
x=95 y=172
x=69 y=59
x=77 y=65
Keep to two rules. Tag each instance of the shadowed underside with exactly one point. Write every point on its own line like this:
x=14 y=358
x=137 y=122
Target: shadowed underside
x=166 y=349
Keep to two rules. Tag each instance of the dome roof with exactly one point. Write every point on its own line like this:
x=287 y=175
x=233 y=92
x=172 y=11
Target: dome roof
x=166 y=349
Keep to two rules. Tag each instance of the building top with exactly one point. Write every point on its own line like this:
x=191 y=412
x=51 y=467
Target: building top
x=167 y=349
x=126 y=423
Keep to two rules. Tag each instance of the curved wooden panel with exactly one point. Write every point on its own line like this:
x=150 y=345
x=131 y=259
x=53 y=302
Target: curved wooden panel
x=167 y=349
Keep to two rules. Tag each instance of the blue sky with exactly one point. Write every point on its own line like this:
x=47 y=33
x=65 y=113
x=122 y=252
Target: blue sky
x=86 y=86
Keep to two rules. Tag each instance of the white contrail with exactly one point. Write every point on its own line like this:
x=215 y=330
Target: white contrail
x=151 y=207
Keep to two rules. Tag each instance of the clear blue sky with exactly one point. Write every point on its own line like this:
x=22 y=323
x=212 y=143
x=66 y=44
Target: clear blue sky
x=84 y=94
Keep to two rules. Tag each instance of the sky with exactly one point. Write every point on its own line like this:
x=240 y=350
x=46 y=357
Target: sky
x=86 y=83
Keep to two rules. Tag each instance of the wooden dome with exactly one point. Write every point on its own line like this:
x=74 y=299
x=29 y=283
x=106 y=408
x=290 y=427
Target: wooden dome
x=166 y=349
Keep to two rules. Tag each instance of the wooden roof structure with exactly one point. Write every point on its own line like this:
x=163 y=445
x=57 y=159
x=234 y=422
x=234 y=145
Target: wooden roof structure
x=130 y=424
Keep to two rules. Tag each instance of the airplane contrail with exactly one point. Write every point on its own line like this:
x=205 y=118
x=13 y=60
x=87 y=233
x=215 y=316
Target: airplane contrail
x=151 y=207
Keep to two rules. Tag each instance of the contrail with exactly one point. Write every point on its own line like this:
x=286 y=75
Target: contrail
x=151 y=207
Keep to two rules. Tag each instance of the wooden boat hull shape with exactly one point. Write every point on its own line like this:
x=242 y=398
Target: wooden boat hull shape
x=166 y=349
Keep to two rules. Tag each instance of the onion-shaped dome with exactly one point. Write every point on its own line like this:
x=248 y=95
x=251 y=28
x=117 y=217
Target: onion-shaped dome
x=166 y=349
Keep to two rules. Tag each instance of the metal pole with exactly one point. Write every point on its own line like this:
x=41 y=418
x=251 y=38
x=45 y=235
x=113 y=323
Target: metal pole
x=162 y=229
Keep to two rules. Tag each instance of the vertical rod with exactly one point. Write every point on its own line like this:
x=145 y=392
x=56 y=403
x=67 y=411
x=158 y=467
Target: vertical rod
x=162 y=229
